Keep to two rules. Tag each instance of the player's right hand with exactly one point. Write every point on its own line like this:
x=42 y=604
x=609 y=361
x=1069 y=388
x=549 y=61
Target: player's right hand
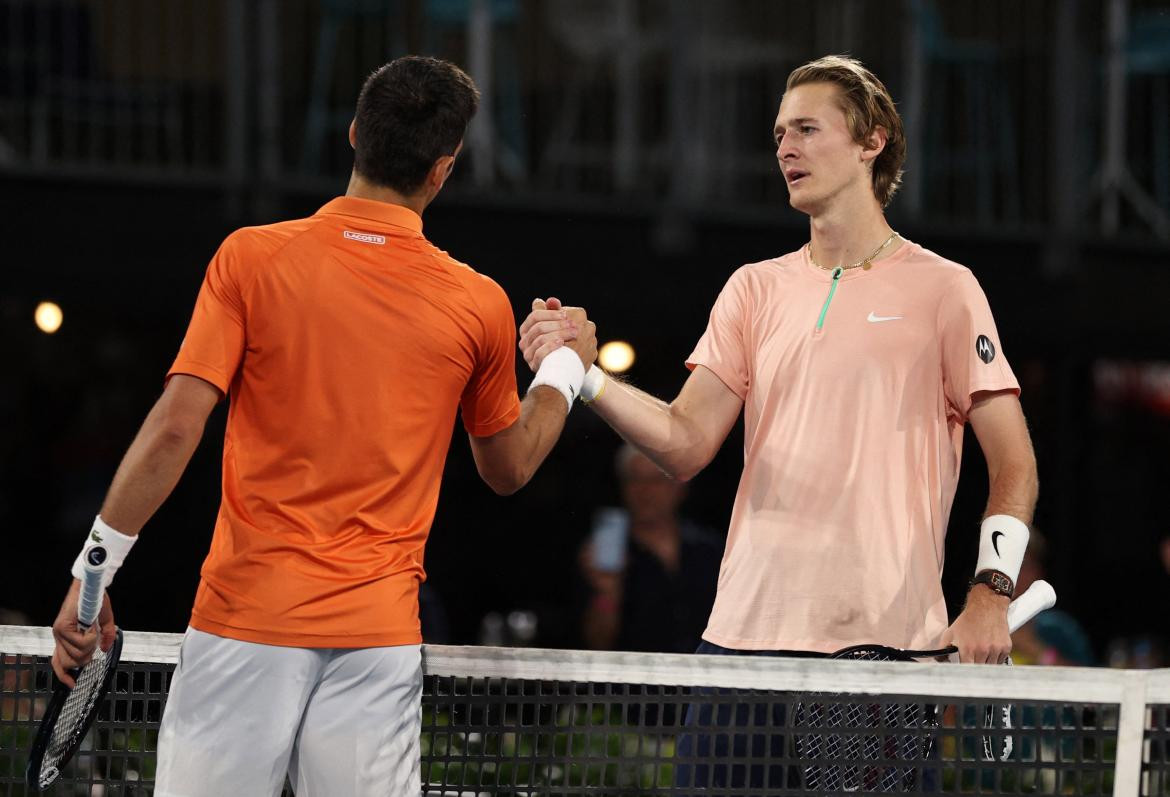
x=585 y=342
x=75 y=647
x=549 y=326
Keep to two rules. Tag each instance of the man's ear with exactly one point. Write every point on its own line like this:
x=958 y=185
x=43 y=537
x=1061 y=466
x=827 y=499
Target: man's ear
x=440 y=171
x=875 y=142
x=353 y=134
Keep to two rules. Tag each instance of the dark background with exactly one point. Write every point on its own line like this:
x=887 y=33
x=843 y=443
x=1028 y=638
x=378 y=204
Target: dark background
x=135 y=136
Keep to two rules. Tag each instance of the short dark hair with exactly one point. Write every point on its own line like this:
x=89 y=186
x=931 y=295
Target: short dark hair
x=411 y=112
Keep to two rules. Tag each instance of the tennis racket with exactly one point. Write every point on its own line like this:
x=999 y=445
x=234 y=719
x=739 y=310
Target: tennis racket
x=855 y=729
x=71 y=711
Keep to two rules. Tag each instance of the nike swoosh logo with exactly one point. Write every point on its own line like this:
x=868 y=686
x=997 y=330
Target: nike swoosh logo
x=873 y=319
x=995 y=535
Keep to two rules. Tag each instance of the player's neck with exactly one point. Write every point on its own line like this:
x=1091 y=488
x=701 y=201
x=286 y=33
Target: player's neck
x=848 y=231
x=361 y=188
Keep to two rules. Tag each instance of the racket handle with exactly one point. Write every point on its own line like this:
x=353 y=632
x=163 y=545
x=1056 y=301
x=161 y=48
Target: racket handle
x=92 y=593
x=1036 y=598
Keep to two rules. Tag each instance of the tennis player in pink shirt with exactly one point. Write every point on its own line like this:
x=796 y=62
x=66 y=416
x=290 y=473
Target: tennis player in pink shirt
x=857 y=360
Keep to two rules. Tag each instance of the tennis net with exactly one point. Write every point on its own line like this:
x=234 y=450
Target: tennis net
x=504 y=721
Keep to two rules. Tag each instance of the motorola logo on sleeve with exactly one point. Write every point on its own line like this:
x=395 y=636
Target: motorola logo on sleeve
x=985 y=349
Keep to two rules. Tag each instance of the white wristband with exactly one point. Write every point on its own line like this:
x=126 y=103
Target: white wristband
x=562 y=370
x=1002 y=542
x=116 y=543
x=593 y=385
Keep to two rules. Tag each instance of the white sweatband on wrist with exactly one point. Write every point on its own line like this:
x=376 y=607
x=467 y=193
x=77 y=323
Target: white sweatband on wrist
x=1002 y=542
x=593 y=385
x=562 y=370
x=116 y=543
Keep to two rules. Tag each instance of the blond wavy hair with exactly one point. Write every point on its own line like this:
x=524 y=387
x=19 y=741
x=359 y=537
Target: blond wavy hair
x=867 y=105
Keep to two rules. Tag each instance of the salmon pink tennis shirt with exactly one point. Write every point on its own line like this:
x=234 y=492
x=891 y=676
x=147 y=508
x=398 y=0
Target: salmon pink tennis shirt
x=348 y=344
x=855 y=397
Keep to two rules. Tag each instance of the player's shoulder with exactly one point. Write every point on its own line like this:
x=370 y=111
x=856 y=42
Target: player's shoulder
x=773 y=265
x=924 y=263
x=267 y=239
x=483 y=291
x=763 y=271
x=463 y=272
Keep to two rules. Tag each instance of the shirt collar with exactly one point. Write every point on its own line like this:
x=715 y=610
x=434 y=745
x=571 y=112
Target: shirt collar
x=372 y=210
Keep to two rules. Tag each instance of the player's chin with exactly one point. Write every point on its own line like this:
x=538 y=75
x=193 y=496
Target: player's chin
x=800 y=200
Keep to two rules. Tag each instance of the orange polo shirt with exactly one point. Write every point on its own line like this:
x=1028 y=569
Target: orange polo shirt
x=347 y=343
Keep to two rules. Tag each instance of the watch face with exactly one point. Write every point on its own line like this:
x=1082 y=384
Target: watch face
x=999 y=582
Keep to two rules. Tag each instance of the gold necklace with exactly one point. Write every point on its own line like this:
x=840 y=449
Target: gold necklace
x=864 y=262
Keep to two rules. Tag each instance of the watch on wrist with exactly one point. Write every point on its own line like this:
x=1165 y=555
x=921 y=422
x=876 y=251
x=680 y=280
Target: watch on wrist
x=999 y=582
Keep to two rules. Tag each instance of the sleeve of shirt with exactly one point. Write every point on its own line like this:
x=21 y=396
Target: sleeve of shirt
x=490 y=402
x=723 y=348
x=214 y=345
x=972 y=355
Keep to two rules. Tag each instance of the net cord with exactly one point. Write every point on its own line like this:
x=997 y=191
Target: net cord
x=744 y=672
x=1131 y=689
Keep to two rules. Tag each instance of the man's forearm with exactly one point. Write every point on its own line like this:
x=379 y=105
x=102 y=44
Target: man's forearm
x=1014 y=490
x=509 y=458
x=653 y=427
x=150 y=470
x=542 y=419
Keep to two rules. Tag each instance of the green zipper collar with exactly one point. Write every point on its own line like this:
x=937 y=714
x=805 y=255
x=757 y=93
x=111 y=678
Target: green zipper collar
x=837 y=272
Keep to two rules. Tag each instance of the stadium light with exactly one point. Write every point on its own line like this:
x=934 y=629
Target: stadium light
x=48 y=317
x=616 y=356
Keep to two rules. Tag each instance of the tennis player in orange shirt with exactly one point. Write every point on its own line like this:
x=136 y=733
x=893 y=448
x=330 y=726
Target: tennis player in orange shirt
x=347 y=343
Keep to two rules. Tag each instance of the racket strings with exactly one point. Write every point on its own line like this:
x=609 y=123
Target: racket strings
x=71 y=722
x=856 y=735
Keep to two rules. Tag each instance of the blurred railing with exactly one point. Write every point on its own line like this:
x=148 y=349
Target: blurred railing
x=1050 y=114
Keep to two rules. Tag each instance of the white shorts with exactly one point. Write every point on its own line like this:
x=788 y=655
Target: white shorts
x=241 y=715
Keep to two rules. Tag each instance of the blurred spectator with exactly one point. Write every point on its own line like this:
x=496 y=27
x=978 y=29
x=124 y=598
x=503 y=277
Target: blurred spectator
x=1053 y=636
x=650 y=573
x=516 y=629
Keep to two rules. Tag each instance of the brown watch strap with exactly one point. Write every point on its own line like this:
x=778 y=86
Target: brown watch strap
x=997 y=581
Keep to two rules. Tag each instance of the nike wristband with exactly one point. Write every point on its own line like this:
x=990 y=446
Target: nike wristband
x=1002 y=542
x=116 y=543
x=562 y=370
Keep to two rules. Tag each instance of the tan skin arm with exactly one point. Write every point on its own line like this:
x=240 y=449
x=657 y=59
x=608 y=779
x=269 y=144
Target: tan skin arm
x=149 y=471
x=508 y=459
x=980 y=631
x=681 y=437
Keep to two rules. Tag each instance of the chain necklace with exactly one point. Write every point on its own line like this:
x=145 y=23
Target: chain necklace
x=863 y=263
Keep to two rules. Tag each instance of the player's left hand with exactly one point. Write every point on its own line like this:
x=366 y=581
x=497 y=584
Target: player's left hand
x=980 y=632
x=75 y=647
